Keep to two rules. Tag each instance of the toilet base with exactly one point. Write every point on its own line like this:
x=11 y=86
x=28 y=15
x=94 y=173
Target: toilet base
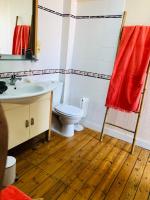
x=61 y=126
x=78 y=127
x=60 y=133
x=62 y=129
x=67 y=130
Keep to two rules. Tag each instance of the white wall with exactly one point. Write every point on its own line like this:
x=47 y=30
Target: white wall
x=56 y=5
x=67 y=45
x=100 y=7
x=95 y=42
x=50 y=29
x=138 y=12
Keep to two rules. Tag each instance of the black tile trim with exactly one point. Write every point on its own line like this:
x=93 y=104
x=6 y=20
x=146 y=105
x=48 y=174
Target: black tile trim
x=50 y=11
x=78 y=17
x=55 y=71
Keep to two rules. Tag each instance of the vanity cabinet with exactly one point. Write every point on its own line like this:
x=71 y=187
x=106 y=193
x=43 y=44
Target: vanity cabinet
x=39 y=117
x=26 y=121
x=17 y=117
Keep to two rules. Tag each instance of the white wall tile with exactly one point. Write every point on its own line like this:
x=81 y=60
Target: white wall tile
x=95 y=44
x=95 y=90
x=94 y=50
x=50 y=29
x=100 y=7
x=56 y=5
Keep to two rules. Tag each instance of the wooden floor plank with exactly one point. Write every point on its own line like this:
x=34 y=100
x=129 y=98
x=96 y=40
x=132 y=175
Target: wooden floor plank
x=123 y=176
x=77 y=180
x=74 y=147
x=31 y=180
x=43 y=188
x=143 y=191
x=109 y=176
x=135 y=177
x=51 y=148
x=94 y=134
x=105 y=165
x=67 y=194
x=80 y=154
x=96 y=177
x=55 y=191
x=23 y=166
x=51 y=164
x=82 y=168
x=77 y=170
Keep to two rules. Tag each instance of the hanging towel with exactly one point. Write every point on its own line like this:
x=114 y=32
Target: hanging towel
x=130 y=69
x=20 y=39
x=12 y=193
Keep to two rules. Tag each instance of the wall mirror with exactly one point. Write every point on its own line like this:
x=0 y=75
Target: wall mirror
x=18 y=29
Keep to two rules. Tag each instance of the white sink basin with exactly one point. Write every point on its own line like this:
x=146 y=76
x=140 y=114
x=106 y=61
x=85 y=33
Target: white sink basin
x=24 y=91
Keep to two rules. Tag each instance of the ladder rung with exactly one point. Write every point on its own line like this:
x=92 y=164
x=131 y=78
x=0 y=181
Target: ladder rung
x=120 y=127
x=137 y=112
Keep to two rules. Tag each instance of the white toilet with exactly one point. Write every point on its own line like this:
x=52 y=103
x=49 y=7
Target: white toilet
x=64 y=116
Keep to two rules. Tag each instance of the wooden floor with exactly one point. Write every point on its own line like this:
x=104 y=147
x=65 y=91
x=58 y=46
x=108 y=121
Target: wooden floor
x=82 y=168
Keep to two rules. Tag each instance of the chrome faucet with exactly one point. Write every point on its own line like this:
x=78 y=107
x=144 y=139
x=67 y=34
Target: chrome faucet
x=13 y=79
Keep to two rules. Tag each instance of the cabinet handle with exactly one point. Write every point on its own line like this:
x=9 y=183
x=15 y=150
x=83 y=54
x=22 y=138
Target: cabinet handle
x=27 y=123
x=32 y=121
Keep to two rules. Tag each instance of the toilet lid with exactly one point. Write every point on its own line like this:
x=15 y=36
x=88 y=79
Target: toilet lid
x=68 y=110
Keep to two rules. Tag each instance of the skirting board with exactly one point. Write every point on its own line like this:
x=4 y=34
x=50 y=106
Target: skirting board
x=118 y=134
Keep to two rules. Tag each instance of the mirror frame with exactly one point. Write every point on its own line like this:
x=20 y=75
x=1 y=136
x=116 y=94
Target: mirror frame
x=35 y=26
x=34 y=36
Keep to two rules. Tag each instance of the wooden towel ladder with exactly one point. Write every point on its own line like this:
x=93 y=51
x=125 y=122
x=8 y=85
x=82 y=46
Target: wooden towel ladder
x=138 y=113
x=137 y=121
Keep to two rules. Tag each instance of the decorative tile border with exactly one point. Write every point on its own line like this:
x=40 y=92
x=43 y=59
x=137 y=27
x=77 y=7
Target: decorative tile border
x=55 y=71
x=78 y=17
x=91 y=74
x=49 y=10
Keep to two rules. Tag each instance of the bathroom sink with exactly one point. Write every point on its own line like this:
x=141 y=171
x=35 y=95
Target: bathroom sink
x=25 y=91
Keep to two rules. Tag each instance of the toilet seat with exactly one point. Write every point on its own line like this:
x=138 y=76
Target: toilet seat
x=69 y=110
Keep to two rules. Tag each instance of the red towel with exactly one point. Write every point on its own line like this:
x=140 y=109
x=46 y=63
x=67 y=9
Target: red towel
x=130 y=69
x=12 y=193
x=20 y=39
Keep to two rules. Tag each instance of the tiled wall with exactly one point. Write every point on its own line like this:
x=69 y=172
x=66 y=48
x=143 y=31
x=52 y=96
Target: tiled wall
x=49 y=61
x=94 y=49
x=51 y=46
x=78 y=42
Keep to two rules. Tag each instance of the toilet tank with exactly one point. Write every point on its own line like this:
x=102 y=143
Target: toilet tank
x=57 y=94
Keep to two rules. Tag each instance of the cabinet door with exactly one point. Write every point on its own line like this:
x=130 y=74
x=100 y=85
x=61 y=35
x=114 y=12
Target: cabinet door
x=39 y=117
x=18 y=132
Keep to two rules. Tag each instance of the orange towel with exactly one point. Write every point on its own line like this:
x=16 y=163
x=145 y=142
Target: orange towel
x=12 y=193
x=20 y=39
x=130 y=69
